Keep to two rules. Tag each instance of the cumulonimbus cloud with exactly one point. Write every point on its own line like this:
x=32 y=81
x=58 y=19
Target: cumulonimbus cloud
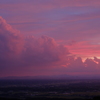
x=18 y=52
x=11 y=42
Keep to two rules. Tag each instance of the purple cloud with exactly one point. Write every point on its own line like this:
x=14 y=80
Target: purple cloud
x=29 y=55
x=17 y=51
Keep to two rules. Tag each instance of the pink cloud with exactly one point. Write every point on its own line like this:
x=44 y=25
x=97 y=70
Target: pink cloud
x=76 y=18
x=11 y=42
x=85 y=48
x=43 y=50
x=35 y=56
x=29 y=51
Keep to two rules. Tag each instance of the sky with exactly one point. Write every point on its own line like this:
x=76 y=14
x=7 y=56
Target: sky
x=49 y=37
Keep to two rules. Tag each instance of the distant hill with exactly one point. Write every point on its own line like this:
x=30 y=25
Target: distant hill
x=64 y=76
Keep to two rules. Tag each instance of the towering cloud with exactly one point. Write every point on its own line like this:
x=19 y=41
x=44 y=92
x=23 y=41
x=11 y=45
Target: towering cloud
x=43 y=50
x=18 y=51
x=11 y=42
x=21 y=55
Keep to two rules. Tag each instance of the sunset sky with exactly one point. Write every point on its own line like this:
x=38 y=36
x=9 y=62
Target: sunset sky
x=49 y=37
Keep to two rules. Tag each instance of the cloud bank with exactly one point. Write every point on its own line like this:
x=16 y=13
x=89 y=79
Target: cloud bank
x=20 y=55
x=19 y=51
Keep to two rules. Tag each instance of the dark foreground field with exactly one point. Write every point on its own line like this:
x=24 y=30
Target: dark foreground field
x=50 y=89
